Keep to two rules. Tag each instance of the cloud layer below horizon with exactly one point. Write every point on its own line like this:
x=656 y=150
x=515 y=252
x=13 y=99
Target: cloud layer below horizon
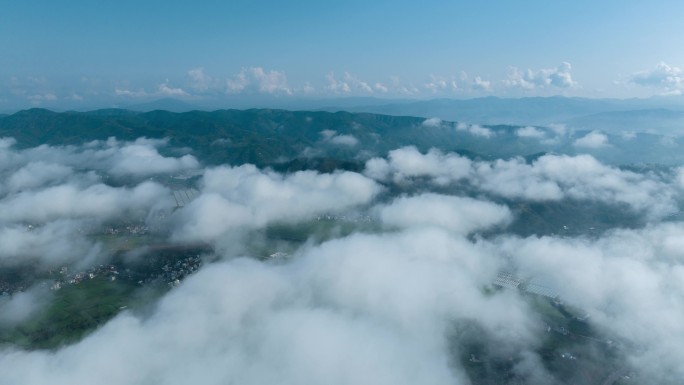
x=387 y=304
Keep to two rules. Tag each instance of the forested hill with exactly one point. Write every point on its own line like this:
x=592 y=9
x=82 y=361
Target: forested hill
x=263 y=136
x=277 y=137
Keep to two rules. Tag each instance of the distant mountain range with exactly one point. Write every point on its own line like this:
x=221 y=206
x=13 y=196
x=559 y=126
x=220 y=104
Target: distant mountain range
x=663 y=115
x=325 y=140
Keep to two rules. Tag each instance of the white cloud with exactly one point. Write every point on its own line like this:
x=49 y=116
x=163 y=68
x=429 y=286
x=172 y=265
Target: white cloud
x=559 y=77
x=432 y=122
x=258 y=80
x=481 y=84
x=165 y=89
x=530 y=132
x=59 y=191
x=200 y=81
x=51 y=244
x=679 y=176
x=246 y=197
x=328 y=134
x=475 y=129
x=379 y=87
x=7 y=142
x=439 y=84
x=331 y=136
x=386 y=307
x=350 y=83
x=118 y=158
x=668 y=78
x=558 y=128
x=461 y=215
x=408 y=162
x=142 y=158
x=335 y=85
x=582 y=177
x=592 y=140
x=550 y=177
x=622 y=280
x=515 y=179
x=36 y=174
x=128 y=93
x=21 y=306
x=344 y=140
x=69 y=201
x=368 y=308
x=357 y=84
x=308 y=88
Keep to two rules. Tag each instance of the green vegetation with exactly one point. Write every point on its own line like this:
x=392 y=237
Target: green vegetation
x=74 y=311
x=264 y=137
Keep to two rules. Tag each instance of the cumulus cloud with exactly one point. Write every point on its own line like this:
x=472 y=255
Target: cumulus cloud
x=530 y=132
x=559 y=77
x=35 y=174
x=53 y=197
x=390 y=305
x=379 y=87
x=331 y=136
x=366 y=308
x=138 y=158
x=622 y=281
x=553 y=177
x=7 y=142
x=440 y=84
x=246 y=197
x=344 y=140
x=481 y=84
x=592 y=140
x=51 y=244
x=350 y=83
x=199 y=80
x=550 y=177
x=21 y=306
x=258 y=80
x=337 y=86
x=432 y=122
x=164 y=89
x=408 y=162
x=142 y=158
x=69 y=201
x=668 y=78
x=475 y=129
x=461 y=215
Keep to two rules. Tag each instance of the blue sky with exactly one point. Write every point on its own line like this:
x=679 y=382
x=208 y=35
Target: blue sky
x=110 y=53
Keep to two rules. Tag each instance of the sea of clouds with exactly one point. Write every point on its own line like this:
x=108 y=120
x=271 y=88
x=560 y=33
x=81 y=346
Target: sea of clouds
x=379 y=306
